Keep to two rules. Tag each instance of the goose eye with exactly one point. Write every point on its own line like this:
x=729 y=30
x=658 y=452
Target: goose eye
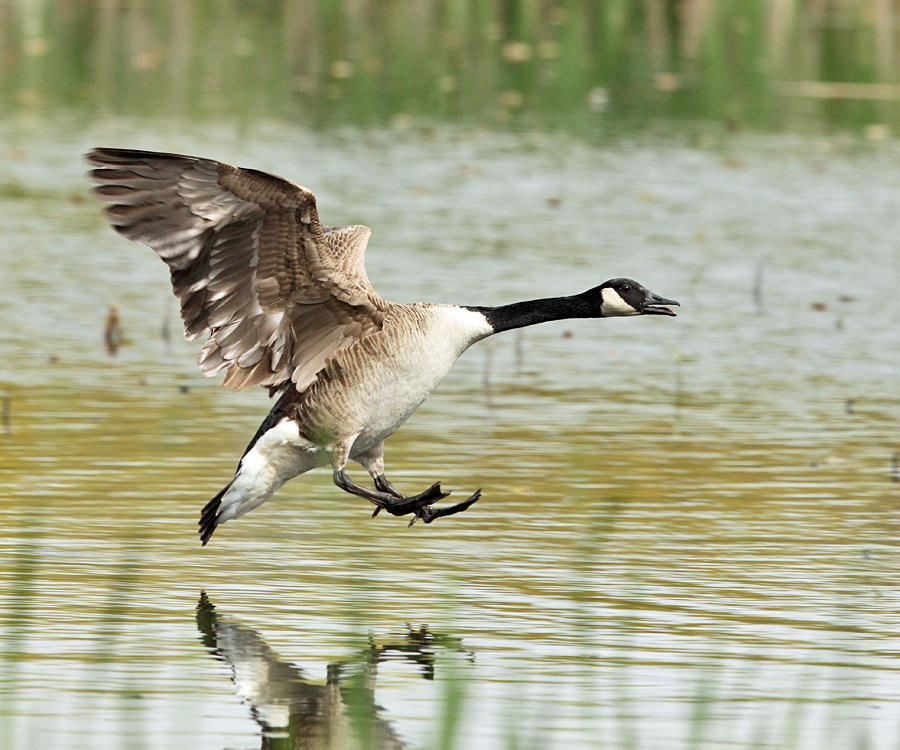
x=626 y=288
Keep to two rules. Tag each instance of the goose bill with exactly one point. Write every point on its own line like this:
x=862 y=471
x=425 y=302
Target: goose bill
x=656 y=305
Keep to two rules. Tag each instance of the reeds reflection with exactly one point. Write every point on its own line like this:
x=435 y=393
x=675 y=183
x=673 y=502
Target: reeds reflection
x=760 y=62
x=295 y=711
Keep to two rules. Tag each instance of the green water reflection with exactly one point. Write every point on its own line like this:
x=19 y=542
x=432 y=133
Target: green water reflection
x=566 y=64
x=295 y=711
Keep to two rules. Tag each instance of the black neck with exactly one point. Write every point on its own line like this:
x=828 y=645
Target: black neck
x=531 y=312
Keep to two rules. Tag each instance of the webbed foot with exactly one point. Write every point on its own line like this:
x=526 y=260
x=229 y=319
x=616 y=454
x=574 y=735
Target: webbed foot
x=386 y=497
x=401 y=505
x=428 y=513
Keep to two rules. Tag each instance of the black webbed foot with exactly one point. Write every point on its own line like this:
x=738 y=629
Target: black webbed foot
x=401 y=505
x=386 y=497
x=428 y=513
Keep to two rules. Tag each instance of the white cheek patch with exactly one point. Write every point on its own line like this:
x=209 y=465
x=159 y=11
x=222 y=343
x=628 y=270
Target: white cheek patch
x=613 y=305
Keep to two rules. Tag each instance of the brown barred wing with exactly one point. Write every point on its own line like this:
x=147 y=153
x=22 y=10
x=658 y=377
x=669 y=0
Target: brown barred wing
x=249 y=261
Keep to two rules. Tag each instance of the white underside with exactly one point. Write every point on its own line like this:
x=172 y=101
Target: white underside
x=394 y=391
x=279 y=454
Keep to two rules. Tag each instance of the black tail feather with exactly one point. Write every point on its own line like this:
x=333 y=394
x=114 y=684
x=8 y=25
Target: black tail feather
x=209 y=517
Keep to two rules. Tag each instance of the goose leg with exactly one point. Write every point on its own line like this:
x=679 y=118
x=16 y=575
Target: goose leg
x=427 y=513
x=383 y=484
x=388 y=497
x=395 y=504
x=373 y=462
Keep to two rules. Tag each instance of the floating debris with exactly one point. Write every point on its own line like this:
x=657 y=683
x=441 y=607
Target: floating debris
x=486 y=374
x=895 y=467
x=679 y=358
x=112 y=334
x=470 y=170
x=519 y=351
x=165 y=326
x=758 y=285
x=6 y=412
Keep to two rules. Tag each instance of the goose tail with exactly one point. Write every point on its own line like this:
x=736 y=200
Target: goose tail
x=274 y=456
x=209 y=516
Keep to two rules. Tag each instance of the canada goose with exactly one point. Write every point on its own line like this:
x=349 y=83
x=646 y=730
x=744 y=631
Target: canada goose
x=287 y=304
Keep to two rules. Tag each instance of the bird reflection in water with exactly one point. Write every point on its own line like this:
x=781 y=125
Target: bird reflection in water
x=295 y=712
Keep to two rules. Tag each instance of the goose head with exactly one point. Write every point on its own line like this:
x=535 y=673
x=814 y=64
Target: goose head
x=618 y=297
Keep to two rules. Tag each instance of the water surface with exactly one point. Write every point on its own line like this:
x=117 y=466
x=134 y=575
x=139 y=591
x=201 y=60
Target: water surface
x=688 y=535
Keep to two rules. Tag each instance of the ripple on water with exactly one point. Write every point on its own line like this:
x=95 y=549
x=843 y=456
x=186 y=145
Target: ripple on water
x=681 y=518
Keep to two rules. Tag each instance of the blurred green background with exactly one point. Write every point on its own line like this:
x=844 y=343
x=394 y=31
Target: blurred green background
x=567 y=64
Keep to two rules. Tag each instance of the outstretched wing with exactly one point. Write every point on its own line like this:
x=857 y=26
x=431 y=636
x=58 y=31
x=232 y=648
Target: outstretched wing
x=276 y=293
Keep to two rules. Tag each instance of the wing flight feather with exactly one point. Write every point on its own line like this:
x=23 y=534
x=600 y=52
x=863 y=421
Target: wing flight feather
x=253 y=268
